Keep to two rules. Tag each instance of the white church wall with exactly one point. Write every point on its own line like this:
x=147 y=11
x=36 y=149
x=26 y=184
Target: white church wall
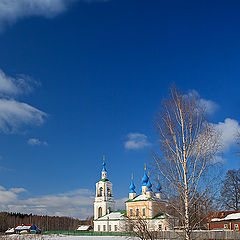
x=110 y=226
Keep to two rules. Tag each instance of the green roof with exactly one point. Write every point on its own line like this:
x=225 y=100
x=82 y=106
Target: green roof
x=141 y=200
x=104 y=180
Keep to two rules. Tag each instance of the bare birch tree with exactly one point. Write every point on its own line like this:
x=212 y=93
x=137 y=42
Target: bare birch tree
x=230 y=190
x=140 y=228
x=188 y=145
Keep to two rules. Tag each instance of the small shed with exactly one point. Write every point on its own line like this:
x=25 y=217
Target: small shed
x=84 y=228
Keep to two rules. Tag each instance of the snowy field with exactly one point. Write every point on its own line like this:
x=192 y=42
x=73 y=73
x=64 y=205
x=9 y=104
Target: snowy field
x=62 y=237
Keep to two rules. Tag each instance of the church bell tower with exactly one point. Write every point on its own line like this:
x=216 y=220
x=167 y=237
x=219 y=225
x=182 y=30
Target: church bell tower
x=104 y=201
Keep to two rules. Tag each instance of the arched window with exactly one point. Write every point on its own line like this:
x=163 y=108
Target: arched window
x=144 y=212
x=130 y=212
x=100 y=191
x=99 y=212
x=108 y=192
x=137 y=212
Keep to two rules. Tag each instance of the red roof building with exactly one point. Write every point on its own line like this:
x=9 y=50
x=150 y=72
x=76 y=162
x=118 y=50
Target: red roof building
x=226 y=220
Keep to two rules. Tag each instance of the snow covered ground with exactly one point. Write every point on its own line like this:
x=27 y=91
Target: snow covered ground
x=62 y=237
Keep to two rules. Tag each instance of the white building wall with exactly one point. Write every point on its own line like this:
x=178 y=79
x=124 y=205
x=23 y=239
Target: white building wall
x=110 y=226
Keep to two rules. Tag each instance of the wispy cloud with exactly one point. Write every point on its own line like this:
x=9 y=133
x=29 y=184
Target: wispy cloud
x=136 y=141
x=13 y=10
x=36 y=142
x=12 y=86
x=209 y=106
x=13 y=113
x=219 y=159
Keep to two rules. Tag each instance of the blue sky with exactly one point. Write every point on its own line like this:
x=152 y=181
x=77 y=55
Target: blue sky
x=80 y=79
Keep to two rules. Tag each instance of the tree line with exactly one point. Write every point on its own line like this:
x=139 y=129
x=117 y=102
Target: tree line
x=44 y=222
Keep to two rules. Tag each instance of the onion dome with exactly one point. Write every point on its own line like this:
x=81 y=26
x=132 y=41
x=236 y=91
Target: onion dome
x=104 y=167
x=132 y=187
x=159 y=188
x=145 y=179
x=149 y=186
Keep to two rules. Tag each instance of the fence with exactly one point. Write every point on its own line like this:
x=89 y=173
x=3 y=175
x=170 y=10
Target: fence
x=163 y=235
x=87 y=233
x=200 y=235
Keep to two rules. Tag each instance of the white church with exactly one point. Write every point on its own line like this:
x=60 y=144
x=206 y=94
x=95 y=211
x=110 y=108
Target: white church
x=148 y=206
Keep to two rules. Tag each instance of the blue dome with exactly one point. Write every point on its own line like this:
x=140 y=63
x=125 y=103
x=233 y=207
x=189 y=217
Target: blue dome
x=104 y=167
x=145 y=179
x=149 y=185
x=159 y=188
x=132 y=187
x=149 y=190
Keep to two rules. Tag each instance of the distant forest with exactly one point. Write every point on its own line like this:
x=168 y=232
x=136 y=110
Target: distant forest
x=45 y=223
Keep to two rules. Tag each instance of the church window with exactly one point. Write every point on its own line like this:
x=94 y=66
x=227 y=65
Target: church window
x=108 y=192
x=130 y=212
x=101 y=191
x=144 y=212
x=115 y=228
x=104 y=228
x=99 y=228
x=110 y=228
x=109 y=210
x=137 y=212
x=99 y=212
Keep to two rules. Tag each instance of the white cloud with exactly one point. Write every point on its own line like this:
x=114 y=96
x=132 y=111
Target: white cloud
x=76 y=203
x=136 y=141
x=12 y=86
x=9 y=196
x=219 y=159
x=17 y=190
x=228 y=129
x=13 y=10
x=14 y=114
x=36 y=142
x=209 y=106
x=7 y=85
